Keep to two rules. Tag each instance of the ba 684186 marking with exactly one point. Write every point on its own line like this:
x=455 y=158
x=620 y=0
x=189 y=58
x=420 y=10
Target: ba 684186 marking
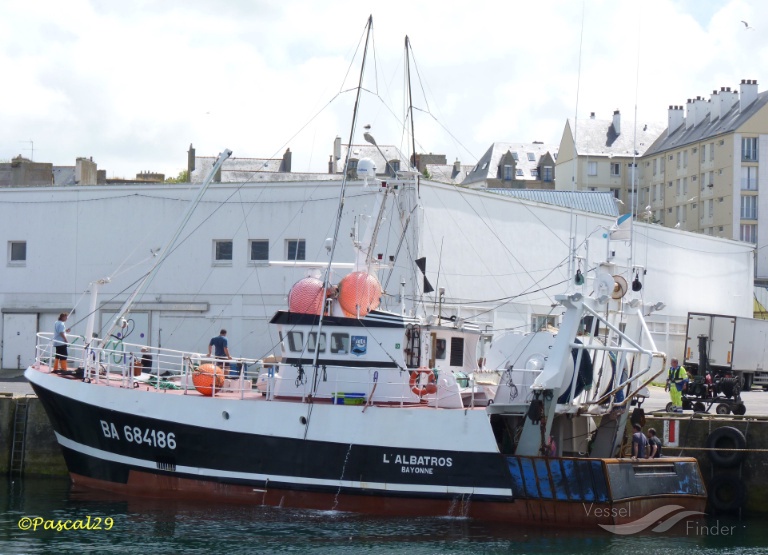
x=140 y=436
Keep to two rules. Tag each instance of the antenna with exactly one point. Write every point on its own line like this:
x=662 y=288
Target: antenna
x=31 y=149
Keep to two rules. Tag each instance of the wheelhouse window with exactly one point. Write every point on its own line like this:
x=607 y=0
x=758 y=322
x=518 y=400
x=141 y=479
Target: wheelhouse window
x=541 y=322
x=295 y=341
x=17 y=253
x=259 y=250
x=312 y=342
x=457 y=351
x=340 y=343
x=222 y=251
x=296 y=249
x=440 y=349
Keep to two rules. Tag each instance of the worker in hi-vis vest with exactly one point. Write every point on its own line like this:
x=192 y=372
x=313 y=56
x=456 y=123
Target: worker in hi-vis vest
x=676 y=381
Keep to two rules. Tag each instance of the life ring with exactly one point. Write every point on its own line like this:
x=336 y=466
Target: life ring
x=727 y=493
x=726 y=437
x=430 y=386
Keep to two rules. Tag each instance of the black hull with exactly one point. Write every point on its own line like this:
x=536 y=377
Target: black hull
x=102 y=450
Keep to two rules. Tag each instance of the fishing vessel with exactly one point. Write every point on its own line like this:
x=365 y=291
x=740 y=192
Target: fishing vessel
x=381 y=410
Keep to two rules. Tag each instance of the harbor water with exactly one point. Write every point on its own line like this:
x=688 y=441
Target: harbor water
x=105 y=523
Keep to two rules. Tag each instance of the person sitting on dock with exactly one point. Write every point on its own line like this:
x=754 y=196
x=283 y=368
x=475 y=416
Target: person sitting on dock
x=676 y=381
x=639 y=442
x=654 y=444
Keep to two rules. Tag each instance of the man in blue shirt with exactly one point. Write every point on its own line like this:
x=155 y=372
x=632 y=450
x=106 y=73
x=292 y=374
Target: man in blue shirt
x=60 y=342
x=219 y=346
x=639 y=442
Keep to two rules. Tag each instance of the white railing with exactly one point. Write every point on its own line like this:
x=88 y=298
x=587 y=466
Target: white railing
x=113 y=362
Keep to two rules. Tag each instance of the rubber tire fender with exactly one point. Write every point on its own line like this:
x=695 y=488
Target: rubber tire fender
x=726 y=437
x=726 y=493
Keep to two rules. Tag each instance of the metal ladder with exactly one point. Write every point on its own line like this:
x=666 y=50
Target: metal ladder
x=18 y=445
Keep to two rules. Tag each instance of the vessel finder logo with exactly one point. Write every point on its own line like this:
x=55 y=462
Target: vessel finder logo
x=662 y=519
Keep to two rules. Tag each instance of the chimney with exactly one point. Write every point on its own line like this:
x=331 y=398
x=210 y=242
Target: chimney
x=617 y=122
x=714 y=106
x=674 y=119
x=456 y=166
x=700 y=110
x=727 y=99
x=331 y=165
x=690 y=110
x=748 y=90
x=337 y=148
x=591 y=115
x=286 y=165
x=190 y=161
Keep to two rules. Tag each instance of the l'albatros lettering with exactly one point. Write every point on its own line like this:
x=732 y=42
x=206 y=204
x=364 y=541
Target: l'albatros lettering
x=416 y=460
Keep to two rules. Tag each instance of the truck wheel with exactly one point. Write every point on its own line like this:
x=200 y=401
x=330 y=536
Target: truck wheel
x=669 y=407
x=699 y=407
x=740 y=409
x=722 y=408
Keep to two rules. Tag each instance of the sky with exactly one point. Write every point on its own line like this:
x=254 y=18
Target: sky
x=133 y=84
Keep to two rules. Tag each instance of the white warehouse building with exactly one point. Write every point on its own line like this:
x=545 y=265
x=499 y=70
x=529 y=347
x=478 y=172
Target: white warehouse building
x=497 y=259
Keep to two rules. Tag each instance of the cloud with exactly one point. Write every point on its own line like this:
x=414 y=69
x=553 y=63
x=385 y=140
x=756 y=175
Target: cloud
x=134 y=85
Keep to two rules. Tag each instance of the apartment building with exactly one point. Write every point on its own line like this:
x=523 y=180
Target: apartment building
x=702 y=174
x=602 y=155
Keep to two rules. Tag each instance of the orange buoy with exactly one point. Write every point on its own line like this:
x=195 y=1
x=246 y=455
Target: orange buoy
x=359 y=293
x=306 y=296
x=208 y=377
x=415 y=381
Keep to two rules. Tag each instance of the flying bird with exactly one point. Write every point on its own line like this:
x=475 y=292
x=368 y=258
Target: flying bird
x=746 y=26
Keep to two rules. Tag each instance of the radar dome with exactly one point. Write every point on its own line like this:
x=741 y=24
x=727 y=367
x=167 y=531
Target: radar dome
x=306 y=296
x=359 y=291
x=366 y=168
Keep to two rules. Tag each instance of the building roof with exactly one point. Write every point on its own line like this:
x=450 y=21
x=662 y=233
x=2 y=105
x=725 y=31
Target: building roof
x=597 y=137
x=235 y=170
x=488 y=165
x=447 y=173
x=728 y=123
x=372 y=153
x=596 y=202
x=64 y=175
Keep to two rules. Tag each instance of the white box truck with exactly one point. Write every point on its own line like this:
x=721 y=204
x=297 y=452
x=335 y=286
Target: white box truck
x=735 y=345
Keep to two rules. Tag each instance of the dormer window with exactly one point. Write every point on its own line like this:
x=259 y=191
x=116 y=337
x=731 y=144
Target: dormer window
x=519 y=172
x=531 y=157
x=514 y=155
x=507 y=172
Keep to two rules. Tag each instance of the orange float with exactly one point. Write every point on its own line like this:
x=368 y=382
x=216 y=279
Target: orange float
x=415 y=381
x=306 y=296
x=359 y=292
x=207 y=378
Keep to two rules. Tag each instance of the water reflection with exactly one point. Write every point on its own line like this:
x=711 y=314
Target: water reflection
x=147 y=526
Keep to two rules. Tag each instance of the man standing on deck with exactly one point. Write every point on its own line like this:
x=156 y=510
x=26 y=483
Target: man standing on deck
x=639 y=442
x=219 y=346
x=60 y=343
x=675 y=384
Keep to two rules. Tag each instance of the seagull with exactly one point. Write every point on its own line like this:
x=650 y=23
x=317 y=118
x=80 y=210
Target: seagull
x=691 y=199
x=619 y=200
x=746 y=26
x=677 y=225
x=648 y=207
